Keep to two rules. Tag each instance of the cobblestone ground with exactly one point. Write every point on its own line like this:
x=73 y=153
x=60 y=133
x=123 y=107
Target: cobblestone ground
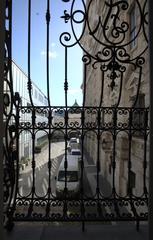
x=57 y=149
x=41 y=170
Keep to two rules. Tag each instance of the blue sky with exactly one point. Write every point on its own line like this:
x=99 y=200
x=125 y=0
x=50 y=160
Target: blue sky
x=38 y=49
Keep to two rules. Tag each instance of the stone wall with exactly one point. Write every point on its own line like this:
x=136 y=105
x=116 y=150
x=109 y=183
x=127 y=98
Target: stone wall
x=124 y=154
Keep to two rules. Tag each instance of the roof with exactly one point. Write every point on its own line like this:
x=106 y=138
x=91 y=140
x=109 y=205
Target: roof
x=72 y=162
x=75 y=104
x=74 y=109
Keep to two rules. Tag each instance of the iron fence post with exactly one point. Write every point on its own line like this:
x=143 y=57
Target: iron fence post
x=2 y=42
x=151 y=121
x=88 y=125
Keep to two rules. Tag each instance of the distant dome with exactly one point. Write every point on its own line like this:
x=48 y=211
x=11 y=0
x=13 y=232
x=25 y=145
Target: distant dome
x=75 y=104
x=74 y=109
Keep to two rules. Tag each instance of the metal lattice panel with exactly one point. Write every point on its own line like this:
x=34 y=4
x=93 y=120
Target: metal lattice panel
x=107 y=124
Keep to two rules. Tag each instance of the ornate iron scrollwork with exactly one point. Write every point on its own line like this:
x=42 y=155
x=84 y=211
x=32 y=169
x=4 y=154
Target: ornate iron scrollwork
x=110 y=36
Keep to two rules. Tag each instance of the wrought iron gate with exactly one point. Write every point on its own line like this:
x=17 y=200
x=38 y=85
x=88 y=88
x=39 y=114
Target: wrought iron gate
x=112 y=131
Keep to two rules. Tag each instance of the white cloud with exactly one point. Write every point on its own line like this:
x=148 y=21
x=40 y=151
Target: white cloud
x=52 y=54
x=74 y=91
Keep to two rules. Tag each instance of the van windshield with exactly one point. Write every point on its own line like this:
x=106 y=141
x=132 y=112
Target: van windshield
x=76 y=153
x=72 y=176
x=73 y=140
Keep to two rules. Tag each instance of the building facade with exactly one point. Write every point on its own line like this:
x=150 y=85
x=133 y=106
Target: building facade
x=118 y=77
x=20 y=80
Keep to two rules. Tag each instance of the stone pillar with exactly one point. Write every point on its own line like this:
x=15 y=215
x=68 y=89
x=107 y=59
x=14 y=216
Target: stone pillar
x=2 y=39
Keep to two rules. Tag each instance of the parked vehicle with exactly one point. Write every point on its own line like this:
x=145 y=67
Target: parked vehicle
x=71 y=176
x=73 y=143
x=76 y=152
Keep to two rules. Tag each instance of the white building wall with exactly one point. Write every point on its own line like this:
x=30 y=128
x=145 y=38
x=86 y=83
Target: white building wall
x=20 y=80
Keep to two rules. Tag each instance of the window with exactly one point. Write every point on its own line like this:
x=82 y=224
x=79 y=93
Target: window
x=76 y=152
x=138 y=113
x=71 y=176
x=132 y=180
x=133 y=26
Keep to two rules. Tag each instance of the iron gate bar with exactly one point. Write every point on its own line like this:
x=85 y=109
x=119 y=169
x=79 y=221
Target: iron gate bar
x=9 y=174
x=150 y=218
x=113 y=61
x=2 y=99
x=30 y=209
x=48 y=17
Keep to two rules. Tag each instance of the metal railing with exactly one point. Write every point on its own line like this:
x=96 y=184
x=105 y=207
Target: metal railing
x=112 y=138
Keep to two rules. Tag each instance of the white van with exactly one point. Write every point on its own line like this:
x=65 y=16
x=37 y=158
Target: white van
x=72 y=177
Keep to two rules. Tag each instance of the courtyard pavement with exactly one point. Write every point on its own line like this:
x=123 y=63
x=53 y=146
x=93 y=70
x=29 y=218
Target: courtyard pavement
x=73 y=231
